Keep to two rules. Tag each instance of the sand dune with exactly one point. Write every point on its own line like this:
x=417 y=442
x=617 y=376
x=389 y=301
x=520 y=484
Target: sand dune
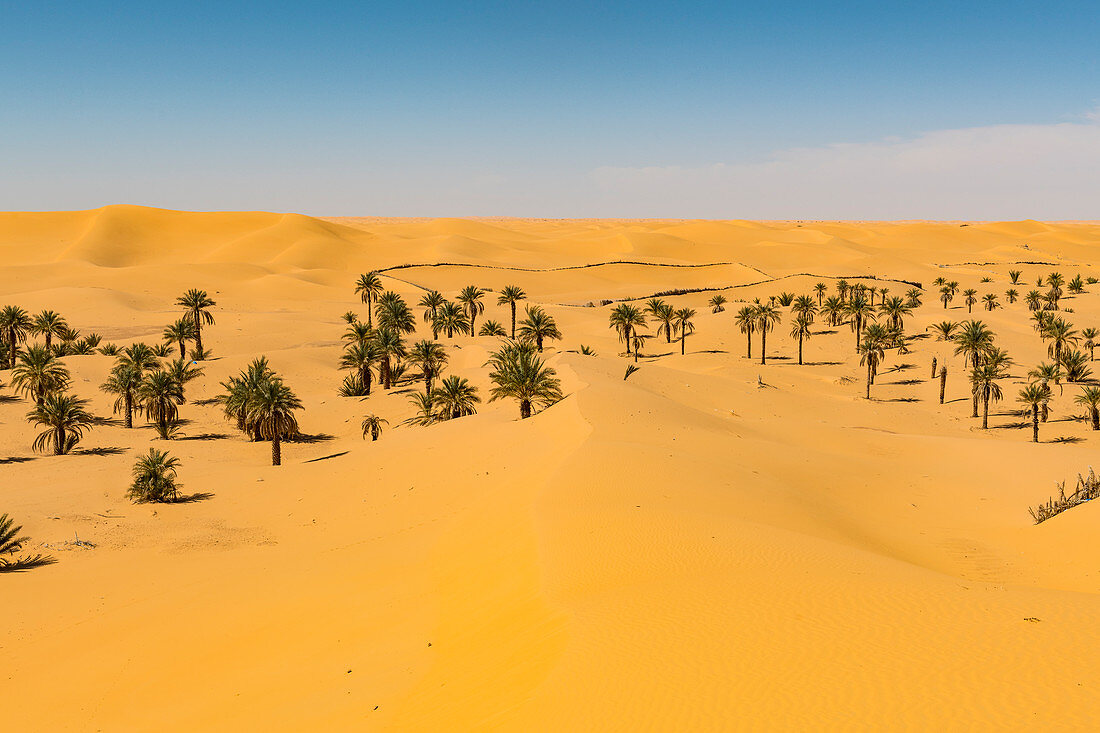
x=682 y=550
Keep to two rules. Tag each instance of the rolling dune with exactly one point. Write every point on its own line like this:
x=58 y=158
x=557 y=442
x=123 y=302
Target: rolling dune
x=711 y=544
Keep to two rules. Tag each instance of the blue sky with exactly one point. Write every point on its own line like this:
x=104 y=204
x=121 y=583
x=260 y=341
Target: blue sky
x=551 y=109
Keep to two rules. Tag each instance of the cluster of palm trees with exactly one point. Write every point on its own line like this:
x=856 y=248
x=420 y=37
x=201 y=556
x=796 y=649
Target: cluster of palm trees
x=262 y=406
x=672 y=322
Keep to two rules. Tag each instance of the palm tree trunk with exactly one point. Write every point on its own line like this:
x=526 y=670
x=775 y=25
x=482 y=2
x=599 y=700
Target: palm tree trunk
x=1046 y=411
x=748 y=335
x=1034 y=423
x=943 y=382
x=975 y=395
x=276 y=450
x=524 y=409
x=628 y=335
x=386 y=372
x=364 y=377
x=198 y=333
x=59 y=442
x=538 y=340
x=1095 y=418
x=668 y=333
x=513 y=320
x=129 y=400
x=800 y=349
x=763 y=346
x=370 y=322
x=985 y=409
x=933 y=367
x=473 y=322
x=683 y=344
x=869 y=376
x=240 y=421
x=428 y=382
x=859 y=329
x=47 y=340
x=183 y=349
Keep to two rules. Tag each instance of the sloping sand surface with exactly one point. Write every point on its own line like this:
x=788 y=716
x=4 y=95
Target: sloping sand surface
x=682 y=550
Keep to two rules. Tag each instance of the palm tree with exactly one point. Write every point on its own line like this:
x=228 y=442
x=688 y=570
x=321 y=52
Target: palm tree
x=833 y=310
x=271 y=410
x=1034 y=300
x=455 y=397
x=983 y=380
x=39 y=373
x=15 y=324
x=842 y=289
x=1036 y=396
x=358 y=333
x=538 y=326
x=625 y=319
x=1061 y=335
x=518 y=373
x=1055 y=281
x=896 y=310
x=372 y=426
x=943 y=382
x=638 y=339
x=139 y=356
x=198 y=304
x=350 y=317
x=48 y=324
x=990 y=300
x=1047 y=373
x=491 y=328
x=155 y=477
x=805 y=307
x=662 y=314
x=859 y=311
x=160 y=395
x=431 y=303
x=124 y=381
x=1076 y=365
x=820 y=289
x=470 y=297
x=358 y=358
x=390 y=346
x=65 y=419
x=1011 y=295
x=717 y=303
x=1091 y=336
x=974 y=340
x=183 y=371
x=180 y=332
x=239 y=390
x=510 y=295
x=1076 y=285
x=766 y=319
x=872 y=351
x=452 y=318
x=913 y=297
x=685 y=326
x=746 y=322
x=970 y=297
x=369 y=287
x=800 y=329
x=1014 y=276
x=946 y=295
x=394 y=313
x=1090 y=397
x=431 y=357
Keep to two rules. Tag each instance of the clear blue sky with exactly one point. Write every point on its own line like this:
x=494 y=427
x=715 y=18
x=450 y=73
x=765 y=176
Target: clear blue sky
x=556 y=109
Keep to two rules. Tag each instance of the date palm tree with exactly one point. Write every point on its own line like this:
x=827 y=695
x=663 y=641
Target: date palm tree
x=492 y=328
x=983 y=380
x=1014 y=276
x=140 y=356
x=1061 y=335
x=124 y=381
x=1075 y=365
x=65 y=418
x=394 y=313
x=180 y=332
x=1011 y=295
x=717 y=303
x=638 y=339
x=160 y=396
x=896 y=309
x=625 y=319
x=239 y=390
x=470 y=297
x=1091 y=337
x=1034 y=300
x=766 y=319
x=49 y=324
x=431 y=303
x=746 y=323
x=368 y=287
x=842 y=290
x=538 y=326
x=452 y=319
x=358 y=333
x=183 y=371
x=271 y=410
x=859 y=312
x=431 y=357
x=664 y=315
x=1047 y=373
x=1090 y=398
x=455 y=398
x=390 y=347
x=974 y=340
x=820 y=289
x=510 y=295
x=913 y=297
x=946 y=296
x=1055 y=281
x=372 y=426
x=970 y=297
x=15 y=324
x=805 y=307
x=800 y=329
x=990 y=300
x=518 y=373
x=154 y=477
x=198 y=304
x=685 y=326
x=833 y=310
x=359 y=358
x=872 y=350
x=39 y=373
x=1035 y=396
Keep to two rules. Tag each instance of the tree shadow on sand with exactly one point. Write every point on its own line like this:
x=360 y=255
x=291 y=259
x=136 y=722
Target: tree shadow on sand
x=310 y=439
x=205 y=436
x=22 y=564
x=106 y=450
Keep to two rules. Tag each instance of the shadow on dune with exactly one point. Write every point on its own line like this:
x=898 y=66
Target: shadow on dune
x=325 y=458
x=1068 y=439
x=310 y=439
x=22 y=564
x=908 y=381
x=192 y=498
x=18 y=459
x=111 y=450
x=6 y=398
x=206 y=436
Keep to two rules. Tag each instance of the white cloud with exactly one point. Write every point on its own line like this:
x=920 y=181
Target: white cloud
x=996 y=172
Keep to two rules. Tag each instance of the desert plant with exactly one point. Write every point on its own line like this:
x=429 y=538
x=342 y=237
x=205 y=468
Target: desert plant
x=990 y=300
x=198 y=304
x=970 y=297
x=49 y=324
x=180 y=332
x=833 y=310
x=491 y=328
x=11 y=543
x=15 y=324
x=766 y=319
x=800 y=329
x=390 y=347
x=519 y=374
x=160 y=395
x=359 y=358
x=124 y=381
x=431 y=357
x=1075 y=365
x=587 y=350
x=65 y=418
x=154 y=478
x=630 y=369
x=39 y=374
x=872 y=350
x=470 y=297
x=372 y=426
x=1014 y=276
x=684 y=325
x=510 y=295
x=1090 y=398
x=1011 y=295
x=860 y=312
x=537 y=326
x=664 y=315
x=625 y=319
x=431 y=302
x=368 y=287
x=746 y=322
x=271 y=409
x=394 y=314
x=452 y=319
x=1034 y=396
x=455 y=398
x=717 y=303
x=984 y=378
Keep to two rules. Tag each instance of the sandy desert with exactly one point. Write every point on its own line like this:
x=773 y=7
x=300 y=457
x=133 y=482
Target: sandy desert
x=711 y=543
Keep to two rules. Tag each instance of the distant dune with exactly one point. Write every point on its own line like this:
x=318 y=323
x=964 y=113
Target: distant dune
x=711 y=544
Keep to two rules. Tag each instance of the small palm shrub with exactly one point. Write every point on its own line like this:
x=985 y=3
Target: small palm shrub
x=353 y=386
x=11 y=543
x=630 y=369
x=109 y=350
x=162 y=350
x=155 y=478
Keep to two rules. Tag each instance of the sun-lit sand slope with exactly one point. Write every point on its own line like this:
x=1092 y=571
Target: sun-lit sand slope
x=681 y=550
